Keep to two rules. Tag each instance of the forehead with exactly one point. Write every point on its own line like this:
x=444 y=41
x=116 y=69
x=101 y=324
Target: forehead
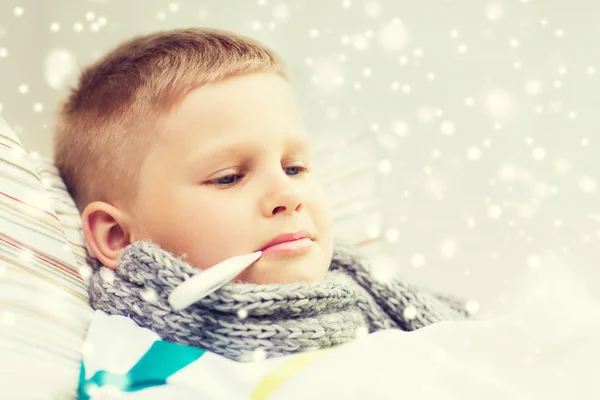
x=251 y=110
x=240 y=104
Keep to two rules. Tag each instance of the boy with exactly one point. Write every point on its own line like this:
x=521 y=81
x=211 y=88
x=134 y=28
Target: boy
x=184 y=148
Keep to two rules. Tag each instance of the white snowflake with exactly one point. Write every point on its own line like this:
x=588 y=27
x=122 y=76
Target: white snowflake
x=494 y=11
x=499 y=103
x=494 y=211
x=533 y=87
x=449 y=248
x=149 y=295
x=87 y=349
x=392 y=235
x=409 y=312
x=259 y=355
x=60 y=66
x=418 y=260
x=373 y=231
x=587 y=185
x=360 y=42
x=384 y=167
x=447 y=128
x=472 y=307
x=400 y=128
x=256 y=25
x=539 y=154
x=85 y=272
x=361 y=332
x=393 y=36
x=474 y=154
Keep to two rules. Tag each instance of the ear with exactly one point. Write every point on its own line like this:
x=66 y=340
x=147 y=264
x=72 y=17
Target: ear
x=107 y=232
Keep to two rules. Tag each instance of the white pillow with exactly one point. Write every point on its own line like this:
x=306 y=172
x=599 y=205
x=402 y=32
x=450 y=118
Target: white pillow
x=44 y=308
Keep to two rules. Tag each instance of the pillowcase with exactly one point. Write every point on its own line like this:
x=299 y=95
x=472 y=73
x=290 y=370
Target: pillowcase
x=44 y=307
x=347 y=167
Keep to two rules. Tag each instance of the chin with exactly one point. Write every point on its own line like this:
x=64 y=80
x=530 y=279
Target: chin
x=288 y=279
x=283 y=274
x=308 y=278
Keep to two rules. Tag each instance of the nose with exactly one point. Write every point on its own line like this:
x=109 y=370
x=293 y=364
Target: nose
x=283 y=196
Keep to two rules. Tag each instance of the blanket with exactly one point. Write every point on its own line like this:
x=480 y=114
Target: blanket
x=547 y=348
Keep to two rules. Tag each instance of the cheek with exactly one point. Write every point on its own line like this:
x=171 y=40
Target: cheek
x=321 y=210
x=206 y=231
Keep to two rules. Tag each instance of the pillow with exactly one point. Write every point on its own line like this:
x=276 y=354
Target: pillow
x=44 y=308
x=347 y=167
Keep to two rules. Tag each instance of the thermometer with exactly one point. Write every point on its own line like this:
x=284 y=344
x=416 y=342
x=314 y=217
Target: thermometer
x=204 y=283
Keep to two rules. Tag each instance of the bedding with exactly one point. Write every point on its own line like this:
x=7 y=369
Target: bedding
x=547 y=348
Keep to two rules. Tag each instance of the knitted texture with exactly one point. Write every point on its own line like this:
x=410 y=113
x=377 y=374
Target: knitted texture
x=242 y=321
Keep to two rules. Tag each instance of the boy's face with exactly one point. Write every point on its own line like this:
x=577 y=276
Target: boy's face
x=227 y=176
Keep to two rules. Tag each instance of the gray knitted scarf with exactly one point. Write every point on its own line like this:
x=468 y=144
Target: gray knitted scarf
x=241 y=320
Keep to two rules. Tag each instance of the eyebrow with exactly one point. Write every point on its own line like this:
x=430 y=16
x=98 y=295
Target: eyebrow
x=225 y=150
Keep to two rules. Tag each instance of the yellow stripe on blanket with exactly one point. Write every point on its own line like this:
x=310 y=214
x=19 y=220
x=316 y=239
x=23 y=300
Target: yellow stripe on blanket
x=275 y=379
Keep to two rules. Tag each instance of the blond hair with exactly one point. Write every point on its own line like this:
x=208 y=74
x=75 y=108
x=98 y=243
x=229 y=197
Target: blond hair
x=105 y=126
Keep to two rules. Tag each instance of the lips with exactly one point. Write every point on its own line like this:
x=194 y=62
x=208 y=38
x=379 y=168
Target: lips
x=285 y=237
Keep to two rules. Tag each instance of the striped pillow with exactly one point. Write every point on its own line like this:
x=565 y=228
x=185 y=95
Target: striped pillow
x=44 y=310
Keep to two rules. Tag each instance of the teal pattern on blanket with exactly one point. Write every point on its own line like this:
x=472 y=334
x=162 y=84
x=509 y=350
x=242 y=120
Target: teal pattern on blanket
x=162 y=360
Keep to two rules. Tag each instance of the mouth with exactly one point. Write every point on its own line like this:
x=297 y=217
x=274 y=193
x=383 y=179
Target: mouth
x=288 y=243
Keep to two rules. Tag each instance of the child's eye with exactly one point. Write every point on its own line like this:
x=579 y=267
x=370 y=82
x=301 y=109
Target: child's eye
x=295 y=170
x=227 y=180
x=232 y=179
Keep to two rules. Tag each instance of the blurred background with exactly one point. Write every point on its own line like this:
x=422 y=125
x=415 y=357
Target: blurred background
x=459 y=140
